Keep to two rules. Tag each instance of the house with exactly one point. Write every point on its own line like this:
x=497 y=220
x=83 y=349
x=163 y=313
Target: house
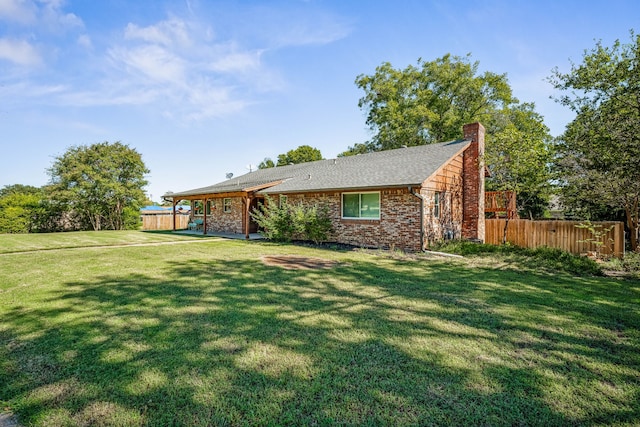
x=407 y=198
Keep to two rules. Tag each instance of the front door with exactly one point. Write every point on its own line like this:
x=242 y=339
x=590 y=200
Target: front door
x=255 y=205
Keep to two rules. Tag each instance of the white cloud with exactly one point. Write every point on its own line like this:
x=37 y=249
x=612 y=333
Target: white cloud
x=211 y=101
x=23 y=12
x=19 y=52
x=179 y=66
x=154 y=62
x=85 y=41
x=228 y=61
x=294 y=26
x=168 y=33
x=45 y=14
x=303 y=34
x=123 y=95
x=56 y=19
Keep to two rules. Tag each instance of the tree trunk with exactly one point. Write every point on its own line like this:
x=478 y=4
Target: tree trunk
x=632 y=224
x=505 y=200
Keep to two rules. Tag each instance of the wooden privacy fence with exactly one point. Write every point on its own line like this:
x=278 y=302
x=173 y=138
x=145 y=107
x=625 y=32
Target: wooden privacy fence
x=556 y=234
x=163 y=221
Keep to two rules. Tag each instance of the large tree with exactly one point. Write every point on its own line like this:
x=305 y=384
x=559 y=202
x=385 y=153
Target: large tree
x=302 y=154
x=102 y=183
x=519 y=155
x=266 y=163
x=599 y=153
x=430 y=102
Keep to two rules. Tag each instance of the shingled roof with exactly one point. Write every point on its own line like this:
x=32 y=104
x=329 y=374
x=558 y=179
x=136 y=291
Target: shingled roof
x=392 y=168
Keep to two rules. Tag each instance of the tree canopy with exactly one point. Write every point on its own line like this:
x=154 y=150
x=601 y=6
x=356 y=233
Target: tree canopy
x=598 y=155
x=430 y=102
x=519 y=155
x=266 y=163
x=302 y=154
x=101 y=183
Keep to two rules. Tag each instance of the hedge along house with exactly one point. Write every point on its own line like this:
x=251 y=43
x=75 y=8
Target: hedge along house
x=405 y=198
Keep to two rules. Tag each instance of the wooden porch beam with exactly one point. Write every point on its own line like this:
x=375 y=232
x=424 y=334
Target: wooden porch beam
x=214 y=195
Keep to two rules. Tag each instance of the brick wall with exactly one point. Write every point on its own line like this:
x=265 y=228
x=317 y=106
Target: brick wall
x=473 y=184
x=398 y=227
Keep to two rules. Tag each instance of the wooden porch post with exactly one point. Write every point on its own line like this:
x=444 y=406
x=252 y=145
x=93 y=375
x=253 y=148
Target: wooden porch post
x=204 y=211
x=247 y=217
x=173 y=203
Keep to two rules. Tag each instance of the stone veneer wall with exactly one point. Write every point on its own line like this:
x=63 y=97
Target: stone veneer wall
x=226 y=222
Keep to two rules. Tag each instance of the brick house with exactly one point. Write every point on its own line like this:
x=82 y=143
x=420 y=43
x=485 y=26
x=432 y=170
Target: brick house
x=405 y=198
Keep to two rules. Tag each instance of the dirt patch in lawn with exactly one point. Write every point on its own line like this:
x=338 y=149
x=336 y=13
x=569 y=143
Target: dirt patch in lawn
x=294 y=262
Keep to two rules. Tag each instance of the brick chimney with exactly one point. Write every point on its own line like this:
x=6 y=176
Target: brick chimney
x=473 y=183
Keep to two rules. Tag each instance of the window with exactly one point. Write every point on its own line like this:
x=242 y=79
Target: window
x=197 y=207
x=226 y=205
x=361 y=205
x=436 y=204
x=283 y=200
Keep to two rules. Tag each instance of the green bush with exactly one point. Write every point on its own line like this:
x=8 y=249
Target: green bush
x=287 y=222
x=276 y=222
x=312 y=223
x=131 y=218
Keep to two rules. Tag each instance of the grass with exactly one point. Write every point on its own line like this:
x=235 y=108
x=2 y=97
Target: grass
x=542 y=258
x=204 y=333
x=11 y=243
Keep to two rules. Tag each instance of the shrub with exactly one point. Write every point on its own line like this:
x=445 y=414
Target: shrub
x=598 y=236
x=287 y=222
x=131 y=218
x=312 y=223
x=276 y=222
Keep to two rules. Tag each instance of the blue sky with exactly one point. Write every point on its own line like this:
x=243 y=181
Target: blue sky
x=202 y=88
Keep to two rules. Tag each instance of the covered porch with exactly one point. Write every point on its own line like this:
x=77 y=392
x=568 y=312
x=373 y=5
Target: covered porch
x=222 y=213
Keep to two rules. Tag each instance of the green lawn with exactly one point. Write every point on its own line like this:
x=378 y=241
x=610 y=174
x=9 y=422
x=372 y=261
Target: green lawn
x=203 y=333
x=11 y=243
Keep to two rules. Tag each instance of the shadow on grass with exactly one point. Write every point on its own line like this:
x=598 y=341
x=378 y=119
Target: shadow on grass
x=390 y=343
